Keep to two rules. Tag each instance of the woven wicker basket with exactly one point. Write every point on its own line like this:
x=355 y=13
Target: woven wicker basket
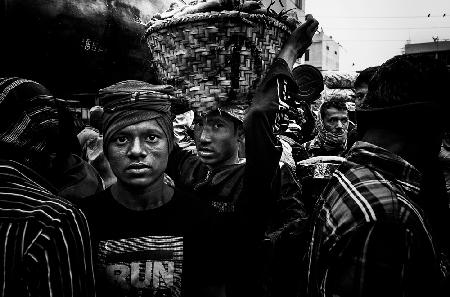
x=218 y=58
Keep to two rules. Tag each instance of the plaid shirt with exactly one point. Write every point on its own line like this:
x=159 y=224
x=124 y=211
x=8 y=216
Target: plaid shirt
x=370 y=236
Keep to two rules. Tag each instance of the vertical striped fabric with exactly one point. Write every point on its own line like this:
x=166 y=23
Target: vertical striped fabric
x=45 y=247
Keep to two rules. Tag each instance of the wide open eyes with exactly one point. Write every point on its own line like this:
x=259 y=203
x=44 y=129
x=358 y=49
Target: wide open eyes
x=120 y=140
x=152 y=138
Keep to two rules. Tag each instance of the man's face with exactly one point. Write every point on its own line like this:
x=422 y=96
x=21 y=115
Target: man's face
x=335 y=120
x=217 y=140
x=138 y=154
x=360 y=93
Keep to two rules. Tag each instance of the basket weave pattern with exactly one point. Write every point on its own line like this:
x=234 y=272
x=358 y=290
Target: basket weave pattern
x=218 y=58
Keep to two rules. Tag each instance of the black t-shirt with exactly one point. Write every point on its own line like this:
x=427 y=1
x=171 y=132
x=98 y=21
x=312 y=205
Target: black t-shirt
x=167 y=251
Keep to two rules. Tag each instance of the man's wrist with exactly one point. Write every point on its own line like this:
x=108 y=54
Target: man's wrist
x=290 y=54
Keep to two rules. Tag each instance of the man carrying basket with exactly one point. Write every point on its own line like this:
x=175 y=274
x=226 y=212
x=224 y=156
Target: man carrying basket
x=243 y=192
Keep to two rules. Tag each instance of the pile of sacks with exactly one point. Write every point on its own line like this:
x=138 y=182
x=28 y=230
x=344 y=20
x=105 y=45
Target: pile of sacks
x=339 y=84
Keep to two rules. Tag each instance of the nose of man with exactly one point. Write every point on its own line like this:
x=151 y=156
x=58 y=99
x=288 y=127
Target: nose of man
x=205 y=134
x=137 y=148
x=339 y=126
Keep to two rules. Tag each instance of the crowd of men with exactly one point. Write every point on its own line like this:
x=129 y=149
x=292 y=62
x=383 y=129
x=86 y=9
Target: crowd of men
x=124 y=208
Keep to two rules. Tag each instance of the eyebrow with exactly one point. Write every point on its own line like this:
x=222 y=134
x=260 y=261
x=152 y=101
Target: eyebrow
x=129 y=131
x=336 y=116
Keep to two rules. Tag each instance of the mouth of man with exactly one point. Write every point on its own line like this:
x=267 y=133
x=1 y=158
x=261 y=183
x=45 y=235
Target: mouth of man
x=204 y=152
x=138 y=168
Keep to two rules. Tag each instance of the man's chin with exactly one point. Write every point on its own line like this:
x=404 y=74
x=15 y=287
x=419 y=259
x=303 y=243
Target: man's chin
x=138 y=183
x=207 y=160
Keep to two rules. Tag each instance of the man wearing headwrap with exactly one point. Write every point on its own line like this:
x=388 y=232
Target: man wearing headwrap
x=150 y=238
x=46 y=249
x=332 y=128
x=247 y=193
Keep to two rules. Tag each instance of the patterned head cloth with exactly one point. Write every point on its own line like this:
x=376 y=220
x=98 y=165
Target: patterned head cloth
x=235 y=111
x=29 y=121
x=130 y=102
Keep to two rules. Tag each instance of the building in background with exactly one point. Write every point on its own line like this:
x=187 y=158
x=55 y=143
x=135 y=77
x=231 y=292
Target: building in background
x=323 y=53
x=294 y=6
x=438 y=49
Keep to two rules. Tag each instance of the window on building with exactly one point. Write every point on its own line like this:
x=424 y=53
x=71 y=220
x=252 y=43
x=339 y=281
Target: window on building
x=307 y=55
x=328 y=48
x=298 y=3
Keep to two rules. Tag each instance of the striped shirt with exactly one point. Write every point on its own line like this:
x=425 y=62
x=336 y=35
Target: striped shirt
x=370 y=236
x=44 y=241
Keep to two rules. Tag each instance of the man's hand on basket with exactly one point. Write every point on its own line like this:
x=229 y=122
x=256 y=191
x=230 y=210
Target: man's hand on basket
x=299 y=41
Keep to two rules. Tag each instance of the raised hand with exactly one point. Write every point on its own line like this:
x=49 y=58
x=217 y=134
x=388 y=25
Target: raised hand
x=299 y=41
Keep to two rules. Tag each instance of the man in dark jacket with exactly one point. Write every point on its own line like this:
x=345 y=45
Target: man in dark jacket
x=245 y=193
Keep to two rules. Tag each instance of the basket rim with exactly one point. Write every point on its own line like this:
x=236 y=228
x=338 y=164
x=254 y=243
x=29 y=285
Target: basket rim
x=249 y=18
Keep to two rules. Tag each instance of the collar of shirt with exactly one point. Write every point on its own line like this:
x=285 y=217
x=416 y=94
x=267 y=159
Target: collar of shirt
x=384 y=161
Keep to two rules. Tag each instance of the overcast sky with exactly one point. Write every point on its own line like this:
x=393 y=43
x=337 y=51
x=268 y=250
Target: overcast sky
x=371 y=32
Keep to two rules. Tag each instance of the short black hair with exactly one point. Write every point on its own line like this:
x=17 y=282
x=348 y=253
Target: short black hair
x=365 y=76
x=405 y=87
x=335 y=102
x=407 y=79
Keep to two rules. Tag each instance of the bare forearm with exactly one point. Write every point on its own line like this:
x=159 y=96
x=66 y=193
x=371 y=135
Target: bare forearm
x=299 y=41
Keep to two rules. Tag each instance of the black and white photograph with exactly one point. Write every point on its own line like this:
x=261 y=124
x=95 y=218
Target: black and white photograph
x=224 y=148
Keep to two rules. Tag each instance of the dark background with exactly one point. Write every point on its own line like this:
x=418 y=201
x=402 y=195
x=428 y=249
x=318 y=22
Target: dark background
x=75 y=47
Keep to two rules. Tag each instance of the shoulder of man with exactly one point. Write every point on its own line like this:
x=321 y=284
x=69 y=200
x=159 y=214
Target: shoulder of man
x=181 y=164
x=32 y=190
x=356 y=196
